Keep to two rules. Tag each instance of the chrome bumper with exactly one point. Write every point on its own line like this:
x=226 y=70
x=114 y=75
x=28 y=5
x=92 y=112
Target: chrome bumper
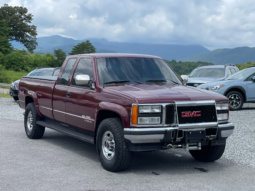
x=157 y=135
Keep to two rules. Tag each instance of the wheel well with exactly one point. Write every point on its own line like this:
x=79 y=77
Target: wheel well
x=28 y=100
x=104 y=114
x=237 y=90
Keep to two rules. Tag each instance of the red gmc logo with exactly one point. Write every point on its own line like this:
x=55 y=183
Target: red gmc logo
x=191 y=114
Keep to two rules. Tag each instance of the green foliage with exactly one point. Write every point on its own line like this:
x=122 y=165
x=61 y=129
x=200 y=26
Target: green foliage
x=60 y=56
x=21 y=60
x=5 y=45
x=245 y=65
x=182 y=68
x=83 y=48
x=18 y=20
x=3 y=77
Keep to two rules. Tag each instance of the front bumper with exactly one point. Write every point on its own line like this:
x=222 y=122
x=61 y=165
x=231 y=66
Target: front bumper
x=13 y=92
x=143 y=139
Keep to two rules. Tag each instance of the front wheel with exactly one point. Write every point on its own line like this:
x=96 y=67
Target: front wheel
x=235 y=99
x=16 y=98
x=113 y=150
x=33 y=131
x=208 y=153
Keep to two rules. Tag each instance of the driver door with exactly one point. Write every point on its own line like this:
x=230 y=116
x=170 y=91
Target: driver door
x=250 y=88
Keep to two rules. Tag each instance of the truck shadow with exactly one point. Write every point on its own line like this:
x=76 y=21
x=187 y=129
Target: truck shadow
x=153 y=163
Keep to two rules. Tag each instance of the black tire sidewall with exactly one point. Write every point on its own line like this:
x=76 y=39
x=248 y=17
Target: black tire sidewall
x=30 y=107
x=107 y=163
x=240 y=95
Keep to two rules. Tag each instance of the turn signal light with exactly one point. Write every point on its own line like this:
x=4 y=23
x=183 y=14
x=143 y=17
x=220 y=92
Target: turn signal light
x=134 y=114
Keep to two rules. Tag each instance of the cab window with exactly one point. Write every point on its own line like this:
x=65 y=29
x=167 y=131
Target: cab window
x=67 y=71
x=84 y=67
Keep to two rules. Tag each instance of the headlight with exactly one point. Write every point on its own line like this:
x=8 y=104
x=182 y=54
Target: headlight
x=149 y=109
x=222 y=111
x=216 y=87
x=149 y=120
x=222 y=106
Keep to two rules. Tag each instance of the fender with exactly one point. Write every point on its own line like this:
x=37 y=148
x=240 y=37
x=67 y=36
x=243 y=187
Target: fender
x=117 y=109
x=33 y=95
x=237 y=87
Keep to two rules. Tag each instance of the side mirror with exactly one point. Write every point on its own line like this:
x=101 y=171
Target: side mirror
x=253 y=79
x=184 y=79
x=82 y=80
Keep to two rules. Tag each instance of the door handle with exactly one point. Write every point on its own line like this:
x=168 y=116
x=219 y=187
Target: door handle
x=68 y=94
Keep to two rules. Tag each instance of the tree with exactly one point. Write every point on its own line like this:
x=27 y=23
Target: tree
x=60 y=55
x=83 y=48
x=5 y=45
x=18 y=21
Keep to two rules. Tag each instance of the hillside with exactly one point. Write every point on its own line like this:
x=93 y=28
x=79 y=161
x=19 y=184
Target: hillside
x=224 y=56
x=166 y=51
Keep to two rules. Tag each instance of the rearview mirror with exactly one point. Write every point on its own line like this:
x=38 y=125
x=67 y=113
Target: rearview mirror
x=82 y=80
x=184 y=79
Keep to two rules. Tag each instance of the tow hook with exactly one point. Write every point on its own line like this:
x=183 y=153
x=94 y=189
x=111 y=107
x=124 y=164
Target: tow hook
x=171 y=146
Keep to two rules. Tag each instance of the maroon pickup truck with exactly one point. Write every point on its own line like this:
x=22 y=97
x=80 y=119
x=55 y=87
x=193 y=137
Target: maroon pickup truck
x=126 y=103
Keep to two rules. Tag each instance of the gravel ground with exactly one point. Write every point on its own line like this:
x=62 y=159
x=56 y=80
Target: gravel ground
x=240 y=145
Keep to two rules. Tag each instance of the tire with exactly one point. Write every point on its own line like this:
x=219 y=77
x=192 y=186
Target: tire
x=110 y=137
x=236 y=100
x=33 y=131
x=208 y=153
x=15 y=98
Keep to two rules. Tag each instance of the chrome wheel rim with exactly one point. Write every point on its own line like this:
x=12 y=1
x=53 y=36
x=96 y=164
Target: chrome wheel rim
x=234 y=101
x=30 y=121
x=108 y=145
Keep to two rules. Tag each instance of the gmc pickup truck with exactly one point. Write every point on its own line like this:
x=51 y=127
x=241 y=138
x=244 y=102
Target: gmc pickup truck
x=126 y=103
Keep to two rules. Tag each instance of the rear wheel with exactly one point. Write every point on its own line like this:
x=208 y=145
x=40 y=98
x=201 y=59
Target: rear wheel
x=235 y=100
x=113 y=150
x=33 y=131
x=208 y=153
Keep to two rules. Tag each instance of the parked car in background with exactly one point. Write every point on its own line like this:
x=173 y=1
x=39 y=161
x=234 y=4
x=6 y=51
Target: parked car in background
x=238 y=88
x=40 y=71
x=210 y=73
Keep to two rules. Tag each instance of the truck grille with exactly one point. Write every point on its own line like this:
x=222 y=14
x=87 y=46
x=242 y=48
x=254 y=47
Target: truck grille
x=169 y=114
x=186 y=114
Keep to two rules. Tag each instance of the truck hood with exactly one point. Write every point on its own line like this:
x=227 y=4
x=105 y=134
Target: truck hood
x=162 y=93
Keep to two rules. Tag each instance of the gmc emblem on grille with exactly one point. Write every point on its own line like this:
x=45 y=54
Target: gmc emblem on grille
x=191 y=114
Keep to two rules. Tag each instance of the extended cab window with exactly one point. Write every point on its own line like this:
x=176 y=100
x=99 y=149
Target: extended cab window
x=84 y=67
x=67 y=71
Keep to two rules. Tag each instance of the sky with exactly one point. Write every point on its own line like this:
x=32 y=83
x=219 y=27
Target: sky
x=210 y=23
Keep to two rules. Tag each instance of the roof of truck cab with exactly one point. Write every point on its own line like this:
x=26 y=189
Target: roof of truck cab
x=104 y=55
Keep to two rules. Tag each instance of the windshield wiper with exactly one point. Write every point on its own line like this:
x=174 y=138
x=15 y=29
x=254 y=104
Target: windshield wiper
x=161 y=80
x=116 y=82
x=155 y=80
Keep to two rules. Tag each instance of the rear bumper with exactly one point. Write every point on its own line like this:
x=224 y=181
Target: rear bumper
x=140 y=138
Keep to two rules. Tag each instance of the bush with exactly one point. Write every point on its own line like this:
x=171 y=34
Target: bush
x=3 y=77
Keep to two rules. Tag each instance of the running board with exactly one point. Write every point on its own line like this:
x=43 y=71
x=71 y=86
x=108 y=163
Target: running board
x=66 y=130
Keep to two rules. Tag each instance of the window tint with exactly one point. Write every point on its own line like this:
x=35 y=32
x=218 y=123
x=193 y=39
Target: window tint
x=236 y=70
x=45 y=73
x=67 y=71
x=84 y=67
x=249 y=79
x=229 y=73
x=56 y=72
x=32 y=74
x=233 y=70
x=208 y=73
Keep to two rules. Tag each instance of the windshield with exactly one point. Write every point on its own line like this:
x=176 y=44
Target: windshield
x=240 y=75
x=208 y=73
x=119 y=70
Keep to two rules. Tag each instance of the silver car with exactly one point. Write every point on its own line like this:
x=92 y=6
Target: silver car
x=210 y=73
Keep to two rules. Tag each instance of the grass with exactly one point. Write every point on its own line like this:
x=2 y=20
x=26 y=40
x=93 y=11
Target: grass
x=12 y=76
x=5 y=95
x=5 y=87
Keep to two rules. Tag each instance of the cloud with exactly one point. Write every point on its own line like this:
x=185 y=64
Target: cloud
x=213 y=24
